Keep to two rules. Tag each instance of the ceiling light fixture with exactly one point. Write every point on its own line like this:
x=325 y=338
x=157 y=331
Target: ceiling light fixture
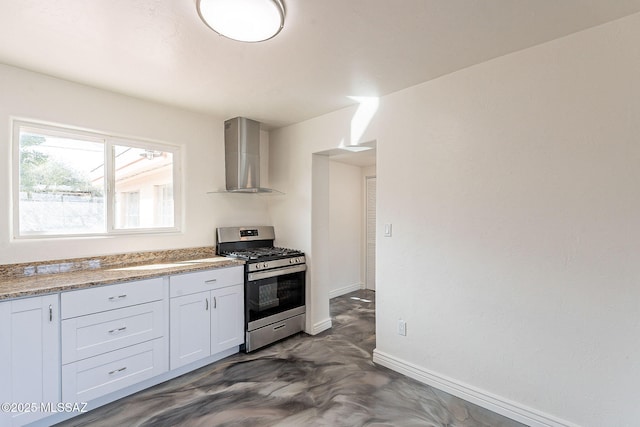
x=243 y=20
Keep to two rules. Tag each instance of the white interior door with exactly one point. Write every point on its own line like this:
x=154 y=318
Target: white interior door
x=370 y=268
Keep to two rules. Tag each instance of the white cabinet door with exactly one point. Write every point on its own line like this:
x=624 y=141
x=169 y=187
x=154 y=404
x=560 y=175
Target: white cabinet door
x=206 y=314
x=227 y=318
x=29 y=355
x=189 y=333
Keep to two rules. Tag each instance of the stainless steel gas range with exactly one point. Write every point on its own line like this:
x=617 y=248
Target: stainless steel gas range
x=274 y=283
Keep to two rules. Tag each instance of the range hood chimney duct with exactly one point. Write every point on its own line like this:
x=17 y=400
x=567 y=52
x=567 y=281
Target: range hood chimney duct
x=242 y=156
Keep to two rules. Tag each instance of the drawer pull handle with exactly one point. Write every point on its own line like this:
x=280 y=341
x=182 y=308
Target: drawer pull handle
x=275 y=328
x=113 y=331
x=211 y=281
x=117 y=370
x=112 y=299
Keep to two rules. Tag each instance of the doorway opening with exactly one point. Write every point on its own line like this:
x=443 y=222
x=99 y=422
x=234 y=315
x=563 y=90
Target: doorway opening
x=345 y=217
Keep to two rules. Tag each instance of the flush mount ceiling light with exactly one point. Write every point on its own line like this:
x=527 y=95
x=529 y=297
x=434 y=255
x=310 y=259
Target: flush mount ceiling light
x=243 y=20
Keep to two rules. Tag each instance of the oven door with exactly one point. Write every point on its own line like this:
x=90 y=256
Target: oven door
x=272 y=292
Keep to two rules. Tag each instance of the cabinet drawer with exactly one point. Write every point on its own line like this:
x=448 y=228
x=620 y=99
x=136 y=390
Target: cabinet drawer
x=94 y=334
x=94 y=377
x=190 y=283
x=94 y=300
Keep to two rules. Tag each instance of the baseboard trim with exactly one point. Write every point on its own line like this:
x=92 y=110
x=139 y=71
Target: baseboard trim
x=345 y=290
x=513 y=410
x=321 y=326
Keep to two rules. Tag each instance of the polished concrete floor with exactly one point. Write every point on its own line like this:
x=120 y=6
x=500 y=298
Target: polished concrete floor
x=324 y=380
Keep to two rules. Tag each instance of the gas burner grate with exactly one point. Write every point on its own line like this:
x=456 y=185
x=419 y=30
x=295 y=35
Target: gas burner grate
x=261 y=253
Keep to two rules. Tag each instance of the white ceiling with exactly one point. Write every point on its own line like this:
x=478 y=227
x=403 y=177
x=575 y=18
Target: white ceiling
x=328 y=50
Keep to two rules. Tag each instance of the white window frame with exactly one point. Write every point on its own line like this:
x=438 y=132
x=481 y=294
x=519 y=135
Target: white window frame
x=109 y=141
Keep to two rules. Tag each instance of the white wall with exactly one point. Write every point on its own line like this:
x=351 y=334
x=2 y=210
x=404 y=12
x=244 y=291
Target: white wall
x=38 y=97
x=345 y=228
x=512 y=187
x=291 y=164
x=368 y=171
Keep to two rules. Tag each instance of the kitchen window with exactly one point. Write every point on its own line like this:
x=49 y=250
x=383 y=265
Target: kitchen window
x=70 y=182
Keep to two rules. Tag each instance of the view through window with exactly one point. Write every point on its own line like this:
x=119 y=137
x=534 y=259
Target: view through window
x=77 y=183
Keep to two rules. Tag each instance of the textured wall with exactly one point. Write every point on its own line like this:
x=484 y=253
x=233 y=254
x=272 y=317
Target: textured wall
x=512 y=190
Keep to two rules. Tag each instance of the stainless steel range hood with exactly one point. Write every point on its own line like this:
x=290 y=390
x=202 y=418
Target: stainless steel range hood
x=242 y=156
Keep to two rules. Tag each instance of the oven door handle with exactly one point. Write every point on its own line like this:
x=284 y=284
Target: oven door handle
x=276 y=272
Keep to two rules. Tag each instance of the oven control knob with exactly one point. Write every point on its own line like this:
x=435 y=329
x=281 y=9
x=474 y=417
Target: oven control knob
x=265 y=265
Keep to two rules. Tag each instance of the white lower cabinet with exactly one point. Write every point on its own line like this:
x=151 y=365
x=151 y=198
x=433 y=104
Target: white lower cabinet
x=227 y=318
x=207 y=314
x=189 y=329
x=96 y=376
x=98 y=333
x=29 y=357
x=99 y=344
x=113 y=337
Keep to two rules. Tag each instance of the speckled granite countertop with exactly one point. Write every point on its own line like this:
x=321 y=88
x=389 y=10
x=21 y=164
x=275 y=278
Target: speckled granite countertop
x=39 y=278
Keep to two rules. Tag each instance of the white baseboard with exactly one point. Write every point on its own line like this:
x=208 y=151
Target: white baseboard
x=320 y=327
x=513 y=410
x=345 y=290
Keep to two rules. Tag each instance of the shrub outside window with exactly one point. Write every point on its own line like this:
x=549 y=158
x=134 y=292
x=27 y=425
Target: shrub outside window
x=73 y=183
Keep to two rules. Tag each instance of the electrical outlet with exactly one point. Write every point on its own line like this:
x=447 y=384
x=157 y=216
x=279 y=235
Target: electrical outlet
x=402 y=327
